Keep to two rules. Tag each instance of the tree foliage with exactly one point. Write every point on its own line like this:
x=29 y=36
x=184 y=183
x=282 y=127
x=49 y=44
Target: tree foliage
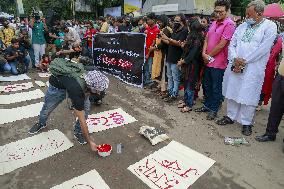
x=63 y=7
x=239 y=6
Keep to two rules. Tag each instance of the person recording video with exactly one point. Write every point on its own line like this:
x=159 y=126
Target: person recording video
x=17 y=57
x=39 y=27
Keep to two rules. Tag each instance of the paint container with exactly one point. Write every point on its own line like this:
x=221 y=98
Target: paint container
x=104 y=150
x=118 y=148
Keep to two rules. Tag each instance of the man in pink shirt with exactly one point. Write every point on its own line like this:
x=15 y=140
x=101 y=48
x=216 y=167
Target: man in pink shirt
x=215 y=56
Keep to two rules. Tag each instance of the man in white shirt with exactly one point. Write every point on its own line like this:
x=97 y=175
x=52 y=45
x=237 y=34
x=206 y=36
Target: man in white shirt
x=71 y=36
x=249 y=51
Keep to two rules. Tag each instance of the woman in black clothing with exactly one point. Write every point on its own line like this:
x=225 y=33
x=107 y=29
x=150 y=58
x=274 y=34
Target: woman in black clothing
x=192 y=63
x=161 y=50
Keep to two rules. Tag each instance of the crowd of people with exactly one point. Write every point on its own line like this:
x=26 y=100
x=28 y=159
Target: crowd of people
x=233 y=62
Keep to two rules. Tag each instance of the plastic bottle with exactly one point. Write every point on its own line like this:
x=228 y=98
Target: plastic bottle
x=118 y=148
x=235 y=141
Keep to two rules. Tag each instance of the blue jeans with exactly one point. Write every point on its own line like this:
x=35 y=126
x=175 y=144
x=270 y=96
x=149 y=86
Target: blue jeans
x=53 y=98
x=6 y=67
x=32 y=56
x=173 y=74
x=148 y=71
x=212 y=86
x=13 y=65
x=189 y=97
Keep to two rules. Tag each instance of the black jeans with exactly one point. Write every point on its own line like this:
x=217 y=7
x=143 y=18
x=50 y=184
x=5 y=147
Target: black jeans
x=277 y=106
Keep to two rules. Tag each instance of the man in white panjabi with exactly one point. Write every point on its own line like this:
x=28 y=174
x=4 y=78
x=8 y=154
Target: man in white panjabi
x=249 y=51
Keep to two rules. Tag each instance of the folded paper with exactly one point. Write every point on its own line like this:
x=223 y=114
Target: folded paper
x=44 y=74
x=40 y=83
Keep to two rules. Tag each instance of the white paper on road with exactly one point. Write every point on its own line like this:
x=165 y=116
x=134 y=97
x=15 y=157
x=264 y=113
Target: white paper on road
x=16 y=87
x=19 y=113
x=108 y=119
x=47 y=83
x=30 y=150
x=20 y=97
x=44 y=74
x=89 y=180
x=174 y=166
x=40 y=83
x=15 y=78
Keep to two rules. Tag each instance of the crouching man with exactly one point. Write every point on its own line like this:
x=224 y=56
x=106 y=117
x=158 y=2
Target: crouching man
x=70 y=77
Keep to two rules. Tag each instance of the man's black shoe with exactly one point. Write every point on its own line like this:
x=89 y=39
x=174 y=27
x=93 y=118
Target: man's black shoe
x=265 y=138
x=98 y=102
x=166 y=95
x=170 y=99
x=202 y=109
x=36 y=128
x=211 y=116
x=80 y=138
x=247 y=131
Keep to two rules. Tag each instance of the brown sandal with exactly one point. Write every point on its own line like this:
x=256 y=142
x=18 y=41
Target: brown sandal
x=182 y=105
x=181 y=102
x=186 y=109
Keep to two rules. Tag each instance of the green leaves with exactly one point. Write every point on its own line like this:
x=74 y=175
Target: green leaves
x=239 y=7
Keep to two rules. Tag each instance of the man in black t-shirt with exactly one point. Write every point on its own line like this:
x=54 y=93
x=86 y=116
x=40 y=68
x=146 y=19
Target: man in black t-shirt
x=175 y=51
x=78 y=90
x=125 y=26
x=15 y=55
x=50 y=37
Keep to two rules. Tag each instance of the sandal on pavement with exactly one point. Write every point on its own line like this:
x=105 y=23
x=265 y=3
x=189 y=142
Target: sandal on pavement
x=225 y=121
x=181 y=102
x=186 y=109
x=182 y=105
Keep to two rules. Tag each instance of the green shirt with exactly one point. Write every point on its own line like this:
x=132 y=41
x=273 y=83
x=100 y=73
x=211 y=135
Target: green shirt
x=38 y=33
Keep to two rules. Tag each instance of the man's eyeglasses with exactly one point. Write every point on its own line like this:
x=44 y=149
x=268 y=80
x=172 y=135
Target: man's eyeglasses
x=219 y=12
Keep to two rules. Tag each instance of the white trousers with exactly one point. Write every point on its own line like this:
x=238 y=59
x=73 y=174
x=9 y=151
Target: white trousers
x=39 y=50
x=241 y=113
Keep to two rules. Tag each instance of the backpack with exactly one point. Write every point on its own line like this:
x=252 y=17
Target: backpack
x=64 y=67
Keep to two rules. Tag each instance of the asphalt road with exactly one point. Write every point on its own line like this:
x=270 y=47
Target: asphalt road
x=257 y=166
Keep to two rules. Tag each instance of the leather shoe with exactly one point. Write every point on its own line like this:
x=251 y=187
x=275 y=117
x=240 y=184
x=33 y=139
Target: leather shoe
x=265 y=138
x=211 y=116
x=247 y=131
x=202 y=109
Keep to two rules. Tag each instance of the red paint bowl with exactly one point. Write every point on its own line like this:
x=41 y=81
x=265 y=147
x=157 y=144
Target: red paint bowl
x=104 y=150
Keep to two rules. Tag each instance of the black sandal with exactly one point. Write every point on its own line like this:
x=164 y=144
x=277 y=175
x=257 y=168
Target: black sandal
x=225 y=121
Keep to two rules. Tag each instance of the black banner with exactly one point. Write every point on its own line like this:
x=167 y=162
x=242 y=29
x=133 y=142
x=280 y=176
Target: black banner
x=122 y=55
